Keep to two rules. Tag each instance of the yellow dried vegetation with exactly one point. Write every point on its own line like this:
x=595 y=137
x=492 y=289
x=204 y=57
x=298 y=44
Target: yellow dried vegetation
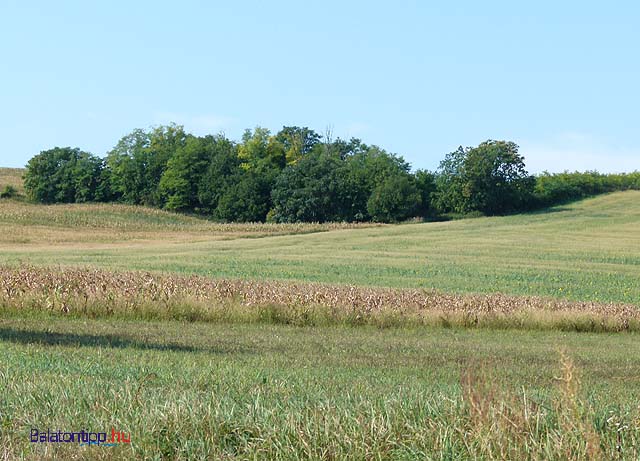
x=97 y=292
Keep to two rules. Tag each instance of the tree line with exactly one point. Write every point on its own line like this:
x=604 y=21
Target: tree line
x=297 y=175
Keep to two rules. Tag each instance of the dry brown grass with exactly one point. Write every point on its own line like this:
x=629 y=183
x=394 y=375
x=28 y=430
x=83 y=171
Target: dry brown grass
x=12 y=177
x=87 y=291
x=502 y=424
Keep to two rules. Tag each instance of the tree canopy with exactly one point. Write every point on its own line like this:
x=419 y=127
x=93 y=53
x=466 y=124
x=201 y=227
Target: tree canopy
x=490 y=179
x=297 y=175
x=63 y=175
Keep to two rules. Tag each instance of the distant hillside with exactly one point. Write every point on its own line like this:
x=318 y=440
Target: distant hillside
x=586 y=251
x=12 y=177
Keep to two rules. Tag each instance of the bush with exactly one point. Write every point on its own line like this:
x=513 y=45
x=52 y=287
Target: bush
x=63 y=174
x=396 y=199
x=552 y=189
x=9 y=192
x=490 y=178
x=311 y=190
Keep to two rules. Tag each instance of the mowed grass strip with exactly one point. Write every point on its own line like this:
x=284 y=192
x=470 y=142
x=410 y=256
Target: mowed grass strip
x=203 y=391
x=584 y=251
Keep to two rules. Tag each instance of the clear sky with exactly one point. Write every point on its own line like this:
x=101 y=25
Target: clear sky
x=419 y=78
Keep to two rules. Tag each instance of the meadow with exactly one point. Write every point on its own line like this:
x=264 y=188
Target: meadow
x=259 y=391
x=583 y=251
x=509 y=337
x=12 y=177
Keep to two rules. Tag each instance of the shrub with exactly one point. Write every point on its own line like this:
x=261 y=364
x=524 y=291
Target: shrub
x=8 y=192
x=490 y=178
x=63 y=174
x=563 y=187
x=396 y=199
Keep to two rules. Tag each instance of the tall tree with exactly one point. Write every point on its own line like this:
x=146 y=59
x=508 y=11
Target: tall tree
x=62 y=174
x=395 y=199
x=126 y=165
x=261 y=152
x=222 y=171
x=182 y=179
x=311 y=190
x=368 y=167
x=297 y=142
x=262 y=155
x=426 y=185
x=140 y=159
x=246 y=198
x=490 y=178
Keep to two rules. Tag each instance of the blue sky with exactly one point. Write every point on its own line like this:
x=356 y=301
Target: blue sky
x=561 y=79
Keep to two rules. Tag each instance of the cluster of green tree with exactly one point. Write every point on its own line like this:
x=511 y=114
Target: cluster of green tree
x=298 y=175
x=294 y=175
x=557 y=188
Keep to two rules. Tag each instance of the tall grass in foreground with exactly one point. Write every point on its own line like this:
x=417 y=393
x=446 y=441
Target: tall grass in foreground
x=266 y=421
x=495 y=424
x=99 y=293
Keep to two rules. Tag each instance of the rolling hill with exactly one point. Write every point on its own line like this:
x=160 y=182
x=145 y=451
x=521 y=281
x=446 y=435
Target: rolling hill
x=586 y=251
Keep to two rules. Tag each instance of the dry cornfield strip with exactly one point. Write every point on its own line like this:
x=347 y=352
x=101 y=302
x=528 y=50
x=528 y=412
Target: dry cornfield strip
x=99 y=292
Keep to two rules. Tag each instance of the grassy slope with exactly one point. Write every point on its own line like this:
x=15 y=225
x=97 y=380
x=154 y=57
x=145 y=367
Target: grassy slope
x=191 y=390
x=12 y=177
x=187 y=390
x=588 y=250
x=99 y=225
x=31 y=226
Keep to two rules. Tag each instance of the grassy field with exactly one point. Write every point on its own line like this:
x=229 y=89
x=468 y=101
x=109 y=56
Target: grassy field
x=12 y=177
x=197 y=391
x=585 y=251
x=85 y=292
x=322 y=341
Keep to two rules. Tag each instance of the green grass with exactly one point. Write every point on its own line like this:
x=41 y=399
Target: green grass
x=261 y=390
x=588 y=250
x=196 y=391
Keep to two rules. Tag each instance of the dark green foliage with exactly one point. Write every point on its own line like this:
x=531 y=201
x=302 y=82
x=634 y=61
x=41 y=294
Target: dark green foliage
x=297 y=175
x=297 y=142
x=245 y=199
x=334 y=183
x=426 y=185
x=86 y=177
x=311 y=190
x=63 y=175
x=490 y=179
x=449 y=194
x=367 y=168
x=557 y=188
x=126 y=164
x=139 y=161
x=186 y=170
x=344 y=148
x=104 y=192
x=395 y=199
x=222 y=171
